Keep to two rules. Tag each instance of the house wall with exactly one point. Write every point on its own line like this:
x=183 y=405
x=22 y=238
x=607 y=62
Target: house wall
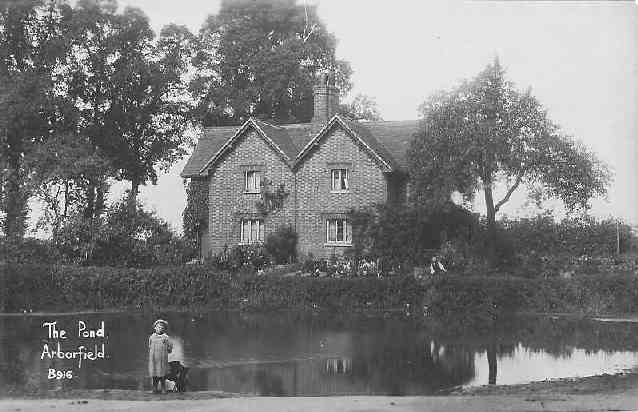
x=316 y=203
x=228 y=202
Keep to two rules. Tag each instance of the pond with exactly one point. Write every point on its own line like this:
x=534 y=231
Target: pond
x=310 y=354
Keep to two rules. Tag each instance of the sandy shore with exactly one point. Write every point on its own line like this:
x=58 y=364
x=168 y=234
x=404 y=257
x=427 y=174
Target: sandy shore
x=599 y=393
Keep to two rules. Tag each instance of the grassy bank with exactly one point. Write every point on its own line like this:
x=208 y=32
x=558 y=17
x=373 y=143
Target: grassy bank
x=66 y=288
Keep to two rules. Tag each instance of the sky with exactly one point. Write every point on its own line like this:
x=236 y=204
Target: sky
x=579 y=58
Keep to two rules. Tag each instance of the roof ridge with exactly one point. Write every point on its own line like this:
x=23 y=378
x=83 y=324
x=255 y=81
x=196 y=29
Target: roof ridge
x=267 y=123
x=222 y=127
x=389 y=121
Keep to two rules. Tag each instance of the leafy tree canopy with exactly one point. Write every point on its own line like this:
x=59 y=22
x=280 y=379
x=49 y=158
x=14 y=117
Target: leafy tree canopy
x=129 y=88
x=87 y=93
x=31 y=47
x=485 y=131
x=260 y=58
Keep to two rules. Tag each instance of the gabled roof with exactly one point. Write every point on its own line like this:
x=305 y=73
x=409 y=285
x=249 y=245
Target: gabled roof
x=395 y=136
x=279 y=136
x=211 y=140
x=356 y=131
x=275 y=136
x=387 y=141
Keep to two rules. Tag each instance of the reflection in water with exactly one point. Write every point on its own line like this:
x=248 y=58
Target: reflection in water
x=525 y=365
x=338 y=366
x=287 y=354
x=491 y=360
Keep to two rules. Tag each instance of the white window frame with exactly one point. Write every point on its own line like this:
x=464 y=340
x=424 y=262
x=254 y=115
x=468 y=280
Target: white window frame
x=255 y=176
x=339 y=174
x=347 y=232
x=246 y=238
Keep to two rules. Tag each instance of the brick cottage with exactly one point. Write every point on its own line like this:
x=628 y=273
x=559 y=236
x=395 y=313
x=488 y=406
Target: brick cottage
x=262 y=176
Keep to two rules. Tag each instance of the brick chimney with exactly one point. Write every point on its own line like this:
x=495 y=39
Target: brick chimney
x=326 y=99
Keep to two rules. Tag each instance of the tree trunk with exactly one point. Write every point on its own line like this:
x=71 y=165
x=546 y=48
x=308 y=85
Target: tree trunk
x=66 y=200
x=95 y=194
x=16 y=206
x=492 y=364
x=491 y=221
x=132 y=199
x=100 y=198
x=89 y=208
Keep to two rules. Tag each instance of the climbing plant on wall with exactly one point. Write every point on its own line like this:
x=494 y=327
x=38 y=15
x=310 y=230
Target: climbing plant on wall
x=271 y=199
x=196 y=212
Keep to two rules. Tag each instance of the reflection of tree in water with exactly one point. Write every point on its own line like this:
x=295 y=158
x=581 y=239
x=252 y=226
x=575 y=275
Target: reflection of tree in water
x=420 y=368
x=337 y=366
x=560 y=336
x=492 y=365
x=556 y=336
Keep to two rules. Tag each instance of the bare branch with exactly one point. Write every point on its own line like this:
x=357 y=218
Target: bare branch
x=511 y=190
x=308 y=34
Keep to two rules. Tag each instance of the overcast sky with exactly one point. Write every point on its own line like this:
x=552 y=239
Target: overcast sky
x=579 y=58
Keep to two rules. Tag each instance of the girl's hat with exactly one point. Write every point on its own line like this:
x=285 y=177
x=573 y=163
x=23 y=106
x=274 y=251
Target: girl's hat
x=162 y=322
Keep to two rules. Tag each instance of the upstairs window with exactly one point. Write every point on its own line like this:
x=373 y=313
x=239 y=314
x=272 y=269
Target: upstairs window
x=252 y=231
x=252 y=181
x=338 y=231
x=339 y=180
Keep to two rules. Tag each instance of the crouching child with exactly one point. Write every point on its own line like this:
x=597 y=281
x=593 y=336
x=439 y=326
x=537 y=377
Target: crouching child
x=177 y=370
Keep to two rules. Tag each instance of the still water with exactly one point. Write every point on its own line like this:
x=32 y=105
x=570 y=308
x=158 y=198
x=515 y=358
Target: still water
x=294 y=354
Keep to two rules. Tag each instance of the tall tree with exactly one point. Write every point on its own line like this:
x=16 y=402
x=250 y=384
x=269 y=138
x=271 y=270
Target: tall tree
x=260 y=58
x=31 y=47
x=88 y=71
x=130 y=90
x=484 y=132
x=150 y=109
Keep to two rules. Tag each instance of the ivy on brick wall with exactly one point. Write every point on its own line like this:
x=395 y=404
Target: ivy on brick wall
x=196 y=212
x=271 y=199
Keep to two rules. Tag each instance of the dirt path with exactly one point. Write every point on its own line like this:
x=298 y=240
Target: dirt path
x=599 y=393
x=488 y=403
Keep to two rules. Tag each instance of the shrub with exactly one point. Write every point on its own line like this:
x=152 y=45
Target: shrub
x=403 y=235
x=48 y=288
x=240 y=257
x=122 y=238
x=281 y=245
x=28 y=250
x=576 y=236
x=542 y=247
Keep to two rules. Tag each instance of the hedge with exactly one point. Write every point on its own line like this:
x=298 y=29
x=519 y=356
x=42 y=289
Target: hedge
x=73 y=288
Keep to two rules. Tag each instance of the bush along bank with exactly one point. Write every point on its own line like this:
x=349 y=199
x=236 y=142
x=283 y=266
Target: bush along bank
x=42 y=288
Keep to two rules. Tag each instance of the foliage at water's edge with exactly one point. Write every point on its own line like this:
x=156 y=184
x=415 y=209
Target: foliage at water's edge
x=71 y=288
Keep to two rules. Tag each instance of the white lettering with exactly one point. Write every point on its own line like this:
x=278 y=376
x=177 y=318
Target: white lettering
x=53 y=332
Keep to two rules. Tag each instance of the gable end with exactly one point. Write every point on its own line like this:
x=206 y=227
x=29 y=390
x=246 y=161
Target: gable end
x=228 y=145
x=337 y=121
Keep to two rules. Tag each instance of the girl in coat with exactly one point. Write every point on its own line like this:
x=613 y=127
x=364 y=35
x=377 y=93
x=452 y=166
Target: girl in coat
x=159 y=347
